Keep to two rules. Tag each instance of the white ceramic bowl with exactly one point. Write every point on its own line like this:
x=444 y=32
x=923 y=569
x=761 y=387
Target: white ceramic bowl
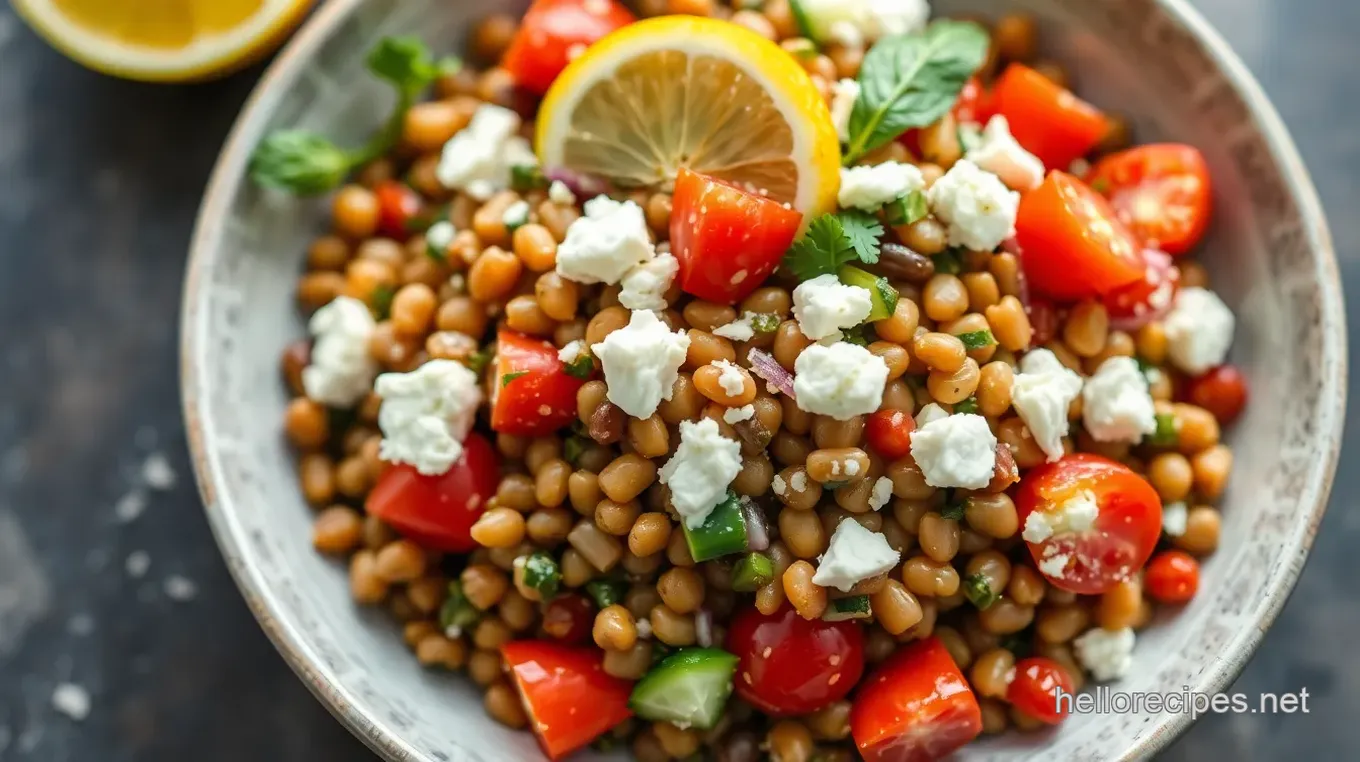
x=1270 y=256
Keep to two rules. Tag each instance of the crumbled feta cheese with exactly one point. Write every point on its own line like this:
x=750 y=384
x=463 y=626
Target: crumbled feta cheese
x=881 y=494
x=854 y=23
x=1041 y=394
x=1116 y=404
x=700 y=470
x=571 y=352
x=478 y=159
x=855 y=553
x=824 y=305
x=179 y=588
x=741 y=329
x=1175 y=516
x=1055 y=565
x=999 y=154
x=730 y=378
x=955 y=451
x=644 y=629
x=738 y=414
x=516 y=215
x=559 y=193
x=1199 y=330
x=979 y=209
x=641 y=362
x=71 y=700
x=426 y=414
x=440 y=237
x=779 y=485
x=341 y=371
x=1076 y=514
x=930 y=413
x=843 y=96
x=851 y=467
x=157 y=472
x=645 y=286
x=606 y=243
x=1107 y=654
x=841 y=380
x=799 y=481
x=869 y=188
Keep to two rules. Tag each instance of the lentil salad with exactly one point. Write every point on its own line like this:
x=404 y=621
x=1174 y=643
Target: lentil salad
x=754 y=471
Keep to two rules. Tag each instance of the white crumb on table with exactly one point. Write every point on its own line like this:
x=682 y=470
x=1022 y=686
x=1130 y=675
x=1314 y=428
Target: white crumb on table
x=130 y=506
x=180 y=588
x=157 y=472
x=71 y=700
x=137 y=563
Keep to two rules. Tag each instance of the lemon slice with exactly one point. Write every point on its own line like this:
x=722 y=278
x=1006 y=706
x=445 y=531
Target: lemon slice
x=163 y=40
x=699 y=93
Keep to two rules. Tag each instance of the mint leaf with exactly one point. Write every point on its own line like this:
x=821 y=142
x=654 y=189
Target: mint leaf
x=864 y=231
x=911 y=80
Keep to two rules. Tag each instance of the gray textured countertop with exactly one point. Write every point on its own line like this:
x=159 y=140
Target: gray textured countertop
x=99 y=182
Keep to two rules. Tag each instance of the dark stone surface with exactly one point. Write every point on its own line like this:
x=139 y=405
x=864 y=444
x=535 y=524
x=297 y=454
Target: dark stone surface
x=99 y=182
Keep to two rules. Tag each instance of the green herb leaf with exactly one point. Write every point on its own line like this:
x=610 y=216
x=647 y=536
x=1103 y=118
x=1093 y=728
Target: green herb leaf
x=822 y=249
x=976 y=339
x=420 y=223
x=765 y=322
x=1166 y=434
x=606 y=592
x=953 y=509
x=801 y=48
x=457 y=611
x=911 y=81
x=508 y=377
x=966 y=406
x=948 y=262
x=582 y=367
x=527 y=177
x=541 y=573
x=859 y=334
x=978 y=591
x=405 y=62
x=300 y=162
x=908 y=209
x=479 y=360
x=1018 y=643
x=382 y=301
x=863 y=230
x=572 y=449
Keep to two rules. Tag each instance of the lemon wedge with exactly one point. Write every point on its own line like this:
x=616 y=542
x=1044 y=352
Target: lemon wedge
x=163 y=40
x=681 y=91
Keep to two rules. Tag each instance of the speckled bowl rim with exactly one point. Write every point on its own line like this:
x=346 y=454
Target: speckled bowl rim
x=387 y=741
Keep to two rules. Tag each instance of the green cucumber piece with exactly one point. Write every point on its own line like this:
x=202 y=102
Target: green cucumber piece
x=542 y=574
x=853 y=607
x=908 y=209
x=606 y=592
x=457 y=611
x=751 y=571
x=880 y=290
x=721 y=534
x=688 y=688
x=978 y=591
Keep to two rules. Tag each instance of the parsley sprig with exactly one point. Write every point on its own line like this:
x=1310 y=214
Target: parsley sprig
x=833 y=240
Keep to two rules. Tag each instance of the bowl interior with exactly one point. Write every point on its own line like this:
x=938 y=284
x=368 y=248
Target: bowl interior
x=1269 y=256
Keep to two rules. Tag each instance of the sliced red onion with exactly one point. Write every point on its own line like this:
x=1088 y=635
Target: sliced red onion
x=703 y=628
x=764 y=365
x=757 y=530
x=583 y=186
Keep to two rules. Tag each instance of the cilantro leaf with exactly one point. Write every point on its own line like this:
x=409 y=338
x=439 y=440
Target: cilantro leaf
x=822 y=249
x=508 y=377
x=965 y=406
x=976 y=339
x=581 y=367
x=863 y=230
x=765 y=322
x=478 y=362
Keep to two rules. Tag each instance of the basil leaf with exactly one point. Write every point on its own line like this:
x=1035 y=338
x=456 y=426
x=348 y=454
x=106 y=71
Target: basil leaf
x=911 y=81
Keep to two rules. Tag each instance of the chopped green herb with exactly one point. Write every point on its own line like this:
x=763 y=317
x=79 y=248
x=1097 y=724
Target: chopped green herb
x=954 y=508
x=853 y=607
x=606 y=592
x=478 y=361
x=457 y=611
x=1018 y=643
x=907 y=209
x=948 y=262
x=829 y=243
x=978 y=591
x=572 y=449
x=541 y=573
x=863 y=335
x=527 y=177
x=382 y=298
x=765 y=322
x=976 y=339
x=420 y=223
x=863 y=230
x=1166 y=434
x=969 y=405
x=508 y=377
x=582 y=366
x=751 y=571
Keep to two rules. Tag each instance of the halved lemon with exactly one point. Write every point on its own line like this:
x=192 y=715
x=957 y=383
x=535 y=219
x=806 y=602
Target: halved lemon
x=681 y=91
x=163 y=40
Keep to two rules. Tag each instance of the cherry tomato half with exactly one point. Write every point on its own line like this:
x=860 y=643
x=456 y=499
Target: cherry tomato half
x=397 y=204
x=889 y=433
x=1149 y=298
x=553 y=33
x=1037 y=685
x=726 y=239
x=438 y=511
x=532 y=395
x=1122 y=537
x=1222 y=391
x=790 y=665
x=1048 y=120
x=569 y=698
x=1161 y=192
x=1172 y=577
x=1073 y=246
x=915 y=707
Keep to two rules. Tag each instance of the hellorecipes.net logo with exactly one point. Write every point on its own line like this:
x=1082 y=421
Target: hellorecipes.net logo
x=1105 y=700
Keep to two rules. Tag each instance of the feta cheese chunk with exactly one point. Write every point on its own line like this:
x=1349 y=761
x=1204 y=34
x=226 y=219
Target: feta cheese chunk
x=881 y=494
x=1055 y=564
x=929 y=414
x=1107 y=654
x=571 y=352
x=843 y=96
x=341 y=371
x=1199 y=330
x=700 y=470
x=841 y=380
x=479 y=158
x=1041 y=394
x=1077 y=514
x=741 y=329
x=869 y=188
x=559 y=193
x=439 y=237
x=645 y=286
x=1175 y=517
x=856 y=22
x=854 y=554
x=824 y=305
x=1116 y=404
x=955 y=451
x=735 y=415
x=516 y=215
x=426 y=414
x=730 y=378
x=641 y=362
x=999 y=154
x=978 y=208
x=606 y=243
